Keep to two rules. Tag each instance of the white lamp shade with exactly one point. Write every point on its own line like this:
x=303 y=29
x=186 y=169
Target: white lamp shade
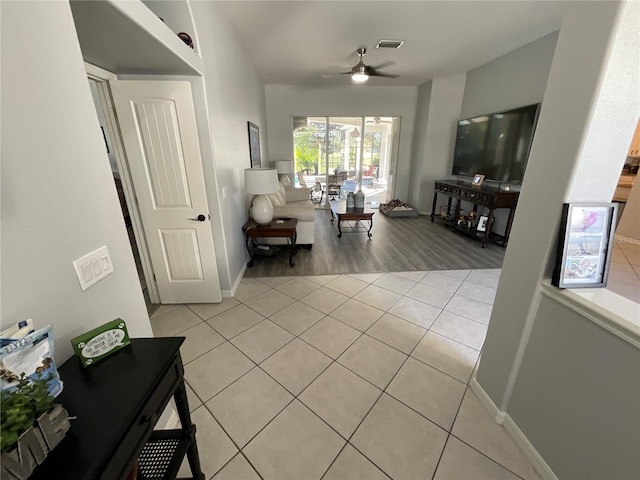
x=260 y=180
x=284 y=166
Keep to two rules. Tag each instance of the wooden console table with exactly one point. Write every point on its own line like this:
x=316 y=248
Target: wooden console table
x=117 y=402
x=487 y=195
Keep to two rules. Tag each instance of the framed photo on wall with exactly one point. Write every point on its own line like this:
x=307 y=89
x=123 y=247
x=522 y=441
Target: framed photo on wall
x=254 y=144
x=585 y=245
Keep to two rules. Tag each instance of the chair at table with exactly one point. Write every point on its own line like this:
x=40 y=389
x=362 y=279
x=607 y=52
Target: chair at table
x=334 y=185
x=318 y=189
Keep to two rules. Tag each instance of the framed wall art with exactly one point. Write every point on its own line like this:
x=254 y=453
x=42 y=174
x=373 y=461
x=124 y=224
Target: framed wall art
x=254 y=144
x=584 y=245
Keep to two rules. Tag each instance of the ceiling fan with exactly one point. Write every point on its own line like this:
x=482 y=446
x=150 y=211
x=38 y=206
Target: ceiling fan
x=378 y=121
x=360 y=73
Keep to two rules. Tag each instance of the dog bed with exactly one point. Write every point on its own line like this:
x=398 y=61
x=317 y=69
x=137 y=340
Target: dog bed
x=397 y=208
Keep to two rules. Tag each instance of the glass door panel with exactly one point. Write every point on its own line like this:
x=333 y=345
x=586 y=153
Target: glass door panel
x=345 y=154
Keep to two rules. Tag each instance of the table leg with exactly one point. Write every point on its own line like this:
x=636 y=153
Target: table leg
x=250 y=246
x=182 y=405
x=293 y=249
x=370 y=227
x=339 y=229
x=433 y=207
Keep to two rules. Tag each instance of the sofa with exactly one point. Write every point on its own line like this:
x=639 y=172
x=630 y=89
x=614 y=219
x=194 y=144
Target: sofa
x=291 y=202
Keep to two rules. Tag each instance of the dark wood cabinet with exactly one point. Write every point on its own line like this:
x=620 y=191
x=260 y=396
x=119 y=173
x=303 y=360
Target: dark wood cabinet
x=488 y=196
x=116 y=404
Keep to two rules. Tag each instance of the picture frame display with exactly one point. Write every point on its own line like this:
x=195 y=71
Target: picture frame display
x=477 y=180
x=482 y=223
x=584 y=246
x=254 y=145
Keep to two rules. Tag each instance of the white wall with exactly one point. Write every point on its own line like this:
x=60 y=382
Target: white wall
x=516 y=79
x=577 y=396
x=234 y=96
x=434 y=140
x=629 y=225
x=59 y=201
x=283 y=101
x=583 y=132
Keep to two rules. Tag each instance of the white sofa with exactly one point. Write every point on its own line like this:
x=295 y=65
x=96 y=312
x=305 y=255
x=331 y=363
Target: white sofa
x=294 y=203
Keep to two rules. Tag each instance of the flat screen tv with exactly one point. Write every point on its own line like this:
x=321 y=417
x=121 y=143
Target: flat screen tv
x=495 y=145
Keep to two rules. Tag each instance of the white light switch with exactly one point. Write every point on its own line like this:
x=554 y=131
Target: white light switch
x=93 y=267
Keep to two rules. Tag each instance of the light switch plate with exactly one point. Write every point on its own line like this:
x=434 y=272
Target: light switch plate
x=93 y=267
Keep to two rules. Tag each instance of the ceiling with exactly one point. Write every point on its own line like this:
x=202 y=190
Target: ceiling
x=295 y=42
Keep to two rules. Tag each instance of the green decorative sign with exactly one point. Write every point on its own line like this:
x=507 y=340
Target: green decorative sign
x=101 y=342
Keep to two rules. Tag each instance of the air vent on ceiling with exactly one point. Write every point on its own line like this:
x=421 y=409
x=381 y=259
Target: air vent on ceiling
x=389 y=43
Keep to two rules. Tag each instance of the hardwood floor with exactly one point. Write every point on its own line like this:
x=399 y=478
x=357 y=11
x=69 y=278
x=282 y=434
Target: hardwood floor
x=397 y=245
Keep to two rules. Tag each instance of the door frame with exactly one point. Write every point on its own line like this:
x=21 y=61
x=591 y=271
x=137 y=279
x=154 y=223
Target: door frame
x=102 y=78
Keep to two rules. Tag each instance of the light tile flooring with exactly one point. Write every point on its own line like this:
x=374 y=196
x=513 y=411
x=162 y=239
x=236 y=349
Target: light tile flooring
x=344 y=377
x=624 y=272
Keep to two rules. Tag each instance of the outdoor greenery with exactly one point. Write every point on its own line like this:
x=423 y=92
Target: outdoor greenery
x=21 y=407
x=309 y=148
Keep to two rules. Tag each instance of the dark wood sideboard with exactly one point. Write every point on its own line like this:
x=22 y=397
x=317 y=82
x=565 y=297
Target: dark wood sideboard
x=488 y=196
x=117 y=402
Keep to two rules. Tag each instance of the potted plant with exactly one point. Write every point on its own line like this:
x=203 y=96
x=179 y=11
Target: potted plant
x=31 y=426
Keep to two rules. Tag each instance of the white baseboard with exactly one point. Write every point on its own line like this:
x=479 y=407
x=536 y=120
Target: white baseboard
x=236 y=284
x=504 y=419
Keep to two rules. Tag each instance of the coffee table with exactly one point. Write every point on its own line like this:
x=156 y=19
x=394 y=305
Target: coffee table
x=340 y=211
x=279 y=227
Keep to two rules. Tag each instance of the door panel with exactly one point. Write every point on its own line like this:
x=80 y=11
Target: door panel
x=158 y=127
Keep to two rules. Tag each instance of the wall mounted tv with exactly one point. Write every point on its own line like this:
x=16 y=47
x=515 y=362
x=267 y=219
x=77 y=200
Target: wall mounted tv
x=495 y=145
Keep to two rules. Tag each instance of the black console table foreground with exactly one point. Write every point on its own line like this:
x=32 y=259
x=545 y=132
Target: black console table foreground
x=486 y=195
x=117 y=402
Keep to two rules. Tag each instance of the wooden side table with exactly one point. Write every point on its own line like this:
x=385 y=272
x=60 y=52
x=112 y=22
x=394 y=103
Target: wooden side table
x=279 y=227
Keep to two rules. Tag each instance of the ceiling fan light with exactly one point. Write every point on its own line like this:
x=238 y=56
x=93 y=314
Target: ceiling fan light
x=360 y=73
x=359 y=77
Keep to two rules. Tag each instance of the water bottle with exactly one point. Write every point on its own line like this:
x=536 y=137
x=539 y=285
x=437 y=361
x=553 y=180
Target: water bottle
x=359 y=199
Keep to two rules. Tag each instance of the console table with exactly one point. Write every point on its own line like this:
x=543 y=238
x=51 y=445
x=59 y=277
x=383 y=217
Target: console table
x=117 y=402
x=486 y=195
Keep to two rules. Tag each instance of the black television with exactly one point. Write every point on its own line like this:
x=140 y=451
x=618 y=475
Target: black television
x=495 y=145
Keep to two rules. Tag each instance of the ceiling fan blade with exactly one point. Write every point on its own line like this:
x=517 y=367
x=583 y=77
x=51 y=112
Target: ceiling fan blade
x=332 y=75
x=342 y=65
x=380 y=74
x=383 y=65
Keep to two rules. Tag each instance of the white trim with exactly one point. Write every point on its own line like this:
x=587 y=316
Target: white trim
x=522 y=346
x=486 y=401
x=541 y=467
x=621 y=316
x=102 y=78
x=98 y=73
x=231 y=293
x=520 y=439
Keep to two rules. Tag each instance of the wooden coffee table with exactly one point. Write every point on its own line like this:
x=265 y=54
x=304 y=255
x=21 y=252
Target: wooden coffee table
x=340 y=211
x=279 y=227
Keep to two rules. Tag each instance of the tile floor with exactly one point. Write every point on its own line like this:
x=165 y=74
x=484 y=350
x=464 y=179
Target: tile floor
x=624 y=273
x=344 y=377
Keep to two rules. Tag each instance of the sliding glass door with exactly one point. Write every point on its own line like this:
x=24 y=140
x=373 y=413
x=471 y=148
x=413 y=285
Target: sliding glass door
x=345 y=154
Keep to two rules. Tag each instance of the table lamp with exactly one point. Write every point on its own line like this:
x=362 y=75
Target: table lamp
x=284 y=168
x=260 y=181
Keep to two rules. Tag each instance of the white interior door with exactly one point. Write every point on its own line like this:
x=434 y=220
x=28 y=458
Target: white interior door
x=158 y=127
